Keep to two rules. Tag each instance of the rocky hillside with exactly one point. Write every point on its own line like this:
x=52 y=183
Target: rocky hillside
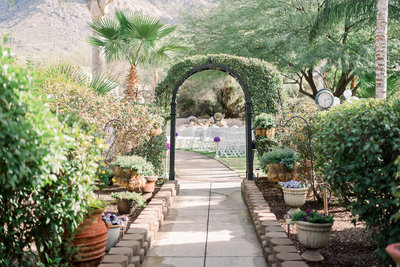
x=45 y=29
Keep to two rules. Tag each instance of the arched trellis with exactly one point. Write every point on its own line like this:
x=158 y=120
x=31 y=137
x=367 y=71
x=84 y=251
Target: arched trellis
x=258 y=80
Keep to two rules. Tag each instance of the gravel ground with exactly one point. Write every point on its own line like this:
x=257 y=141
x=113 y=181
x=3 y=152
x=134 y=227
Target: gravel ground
x=349 y=245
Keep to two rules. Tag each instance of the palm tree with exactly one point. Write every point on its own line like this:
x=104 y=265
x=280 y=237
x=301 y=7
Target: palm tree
x=366 y=11
x=133 y=37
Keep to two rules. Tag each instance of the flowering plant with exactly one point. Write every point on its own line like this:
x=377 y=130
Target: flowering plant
x=294 y=184
x=312 y=216
x=111 y=219
x=167 y=145
x=217 y=139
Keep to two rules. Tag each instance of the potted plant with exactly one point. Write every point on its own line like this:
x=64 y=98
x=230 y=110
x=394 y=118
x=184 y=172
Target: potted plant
x=281 y=164
x=313 y=230
x=150 y=184
x=127 y=201
x=265 y=124
x=295 y=194
x=114 y=230
x=130 y=172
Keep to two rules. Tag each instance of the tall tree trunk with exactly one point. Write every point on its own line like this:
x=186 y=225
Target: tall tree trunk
x=132 y=84
x=97 y=9
x=155 y=81
x=381 y=48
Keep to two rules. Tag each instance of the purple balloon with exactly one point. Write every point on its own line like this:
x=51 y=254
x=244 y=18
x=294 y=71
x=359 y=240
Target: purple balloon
x=217 y=139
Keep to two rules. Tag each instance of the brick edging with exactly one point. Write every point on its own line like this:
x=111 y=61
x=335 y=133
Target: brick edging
x=136 y=241
x=278 y=249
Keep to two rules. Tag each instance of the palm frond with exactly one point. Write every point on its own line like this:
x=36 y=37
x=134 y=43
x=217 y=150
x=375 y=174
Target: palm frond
x=103 y=84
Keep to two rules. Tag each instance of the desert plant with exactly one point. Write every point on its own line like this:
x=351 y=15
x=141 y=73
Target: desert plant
x=136 y=163
x=357 y=145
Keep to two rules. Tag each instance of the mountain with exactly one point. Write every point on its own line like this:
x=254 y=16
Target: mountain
x=47 y=29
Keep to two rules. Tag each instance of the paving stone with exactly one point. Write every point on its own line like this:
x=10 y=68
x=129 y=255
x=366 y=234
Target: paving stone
x=141 y=255
x=274 y=229
x=139 y=231
x=136 y=260
x=134 y=245
x=128 y=252
x=136 y=237
x=272 y=235
x=271 y=259
x=139 y=226
x=284 y=256
x=270 y=223
x=280 y=241
x=116 y=259
x=286 y=249
x=293 y=264
x=131 y=265
x=110 y=265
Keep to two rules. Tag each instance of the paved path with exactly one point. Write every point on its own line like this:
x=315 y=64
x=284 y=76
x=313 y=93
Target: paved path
x=208 y=225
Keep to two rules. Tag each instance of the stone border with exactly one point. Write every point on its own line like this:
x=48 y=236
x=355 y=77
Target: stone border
x=278 y=249
x=136 y=241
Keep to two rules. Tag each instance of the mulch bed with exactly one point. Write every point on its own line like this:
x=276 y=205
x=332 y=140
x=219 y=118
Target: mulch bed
x=349 y=245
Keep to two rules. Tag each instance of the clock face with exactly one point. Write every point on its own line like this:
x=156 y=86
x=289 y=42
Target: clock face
x=325 y=99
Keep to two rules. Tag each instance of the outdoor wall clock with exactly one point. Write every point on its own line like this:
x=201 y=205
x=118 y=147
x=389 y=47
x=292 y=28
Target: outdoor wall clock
x=324 y=98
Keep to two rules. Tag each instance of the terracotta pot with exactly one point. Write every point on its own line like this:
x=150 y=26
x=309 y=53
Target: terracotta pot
x=125 y=206
x=258 y=131
x=91 y=238
x=114 y=232
x=295 y=198
x=157 y=131
x=394 y=251
x=313 y=236
x=150 y=184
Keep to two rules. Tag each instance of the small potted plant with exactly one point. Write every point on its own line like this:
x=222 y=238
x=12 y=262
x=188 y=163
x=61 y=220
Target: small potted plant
x=114 y=230
x=127 y=201
x=265 y=125
x=295 y=194
x=281 y=164
x=313 y=230
x=130 y=172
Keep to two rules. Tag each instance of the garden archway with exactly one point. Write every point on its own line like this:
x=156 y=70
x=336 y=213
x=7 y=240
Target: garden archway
x=258 y=80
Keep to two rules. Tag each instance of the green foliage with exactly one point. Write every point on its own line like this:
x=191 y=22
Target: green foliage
x=46 y=173
x=136 y=163
x=154 y=152
x=137 y=197
x=284 y=156
x=356 y=146
x=312 y=216
x=261 y=79
x=263 y=145
x=264 y=120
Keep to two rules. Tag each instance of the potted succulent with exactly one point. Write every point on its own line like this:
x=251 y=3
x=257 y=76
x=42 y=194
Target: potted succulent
x=281 y=164
x=265 y=124
x=313 y=230
x=127 y=201
x=114 y=230
x=295 y=194
x=130 y=172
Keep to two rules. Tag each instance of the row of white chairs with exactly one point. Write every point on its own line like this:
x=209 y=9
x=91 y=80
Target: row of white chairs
x=232 y=139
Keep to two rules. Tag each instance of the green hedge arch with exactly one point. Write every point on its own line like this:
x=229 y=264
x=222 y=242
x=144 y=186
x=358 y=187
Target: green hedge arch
x=261 y=78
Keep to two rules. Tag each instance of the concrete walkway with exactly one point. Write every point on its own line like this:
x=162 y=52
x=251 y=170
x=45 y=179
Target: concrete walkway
x=208 y=225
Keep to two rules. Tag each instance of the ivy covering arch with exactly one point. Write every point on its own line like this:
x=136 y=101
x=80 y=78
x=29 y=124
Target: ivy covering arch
x=258 y=79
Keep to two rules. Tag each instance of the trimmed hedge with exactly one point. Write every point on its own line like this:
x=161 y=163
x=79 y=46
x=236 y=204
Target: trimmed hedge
x=260 y=77
x=357 y=148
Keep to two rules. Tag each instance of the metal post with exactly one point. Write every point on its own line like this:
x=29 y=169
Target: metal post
x=172 y=136
x=249 y=148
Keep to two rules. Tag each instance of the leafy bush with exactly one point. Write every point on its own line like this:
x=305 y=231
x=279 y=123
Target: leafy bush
x=357 y=145
x=284 y=156
x=312 y=216
x=264 y=144
x=137 y=197
x=154 y=151
x=46 y=172
x=264 y=120
x=136 y=163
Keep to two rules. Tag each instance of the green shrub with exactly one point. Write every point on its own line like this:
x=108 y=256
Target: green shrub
x=264 y=120
x=312 y=216
x=284 y=156
x=136 y=163
x=264 y=144
x=357 y=145
x=138 y=198
x=154 y=151
x=46 y=172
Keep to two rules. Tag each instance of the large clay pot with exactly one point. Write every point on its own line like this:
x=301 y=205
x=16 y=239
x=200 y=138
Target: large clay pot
x=150 y=184
x=295 y=198
x=130 y=179
x=114 y=232
x=91 y=238
x=125 y=206
x=394 y=251
x=313 y=237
